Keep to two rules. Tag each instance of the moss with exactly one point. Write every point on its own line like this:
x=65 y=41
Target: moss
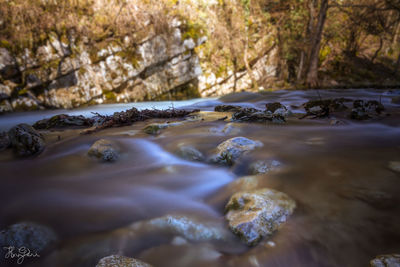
x=192 y=30
x=5 y=44
x=110 y=96
x=23 y=91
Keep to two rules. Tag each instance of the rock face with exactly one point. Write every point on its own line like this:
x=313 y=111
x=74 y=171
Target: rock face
x=33 y=236
x=232 y=149
x=104 y=150
x=25 y=140
x=61 y=121
x=255 y=214
x=67 y=72
x=121 y=261
x=392 y=260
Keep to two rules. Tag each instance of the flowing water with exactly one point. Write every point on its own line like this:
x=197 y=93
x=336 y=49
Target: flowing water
x=347 y=198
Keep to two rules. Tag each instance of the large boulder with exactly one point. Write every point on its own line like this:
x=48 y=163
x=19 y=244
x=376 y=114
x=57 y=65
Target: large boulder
x=255 y=214
x=63 y=120
x=32 y=236
x=229 y=151
x=391 y=260
x=26 y=140
x=104 y=150
x=121 y=261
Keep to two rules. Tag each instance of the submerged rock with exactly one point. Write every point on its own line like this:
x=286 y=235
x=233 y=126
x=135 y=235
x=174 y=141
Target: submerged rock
x=190 y=153
x=391 y=260
x=255 y=214
x=4 y=141
x=63 y=120
x=375 y=198
x=25 y=140
x=30 y=235
x=189 y=228
x=104 y=150
x=264 y=166
x=232 y=149
x=227 y=108
x=121 y=261
x=155 y=128
x=394 y=166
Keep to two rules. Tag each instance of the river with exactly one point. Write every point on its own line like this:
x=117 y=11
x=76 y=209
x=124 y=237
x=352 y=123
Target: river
x=347 y=198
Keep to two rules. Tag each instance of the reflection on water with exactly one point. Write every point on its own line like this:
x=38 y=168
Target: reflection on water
x=347 y=197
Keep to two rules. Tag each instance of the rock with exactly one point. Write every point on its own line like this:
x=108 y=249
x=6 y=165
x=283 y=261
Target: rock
x=272 y=107
x=190 y=153
x=4 y=141
x=391 y=260
x=191 y=229
x=227 y=108
x=323 y=107
x=317 y=108
x=104 y=150
x=232 y=149
x=25 y=140
x=255 y=115
x=336 y=122
x=5 y=106
x=155 y=128
x=63 y=120
x=264 y=166
x=121 y=261
x=255 y=214
x=394 y=166
x=30 y=235
x=363 y=110
x=8 y=65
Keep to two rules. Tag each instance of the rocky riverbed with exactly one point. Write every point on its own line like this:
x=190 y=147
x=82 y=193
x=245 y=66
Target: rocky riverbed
x=287 y=178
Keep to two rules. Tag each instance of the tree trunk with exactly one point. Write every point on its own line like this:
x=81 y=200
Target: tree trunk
x=247 y=65
x=312 y=72
x=377 y=50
